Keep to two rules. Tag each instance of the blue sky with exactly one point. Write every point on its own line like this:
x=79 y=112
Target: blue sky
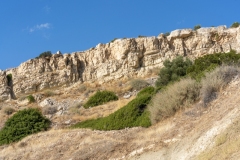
x=30 y=27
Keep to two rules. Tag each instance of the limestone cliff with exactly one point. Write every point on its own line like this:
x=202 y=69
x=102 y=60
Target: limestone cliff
x=121 y=58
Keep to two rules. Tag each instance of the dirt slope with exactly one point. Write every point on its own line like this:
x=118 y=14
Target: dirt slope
x=184 y=136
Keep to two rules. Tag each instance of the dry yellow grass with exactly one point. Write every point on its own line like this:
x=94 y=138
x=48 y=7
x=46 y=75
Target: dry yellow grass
x=100 y=111
x=175 y=97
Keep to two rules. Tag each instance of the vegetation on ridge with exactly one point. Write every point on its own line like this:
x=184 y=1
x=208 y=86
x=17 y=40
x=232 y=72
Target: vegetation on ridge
x=45 y=54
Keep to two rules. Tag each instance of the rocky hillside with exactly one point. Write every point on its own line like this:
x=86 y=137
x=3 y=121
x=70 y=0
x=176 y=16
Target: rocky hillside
x=194 y=133
x=119 y=59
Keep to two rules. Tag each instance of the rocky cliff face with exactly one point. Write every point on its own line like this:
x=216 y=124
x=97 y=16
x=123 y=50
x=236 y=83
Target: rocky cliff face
x=119 y=59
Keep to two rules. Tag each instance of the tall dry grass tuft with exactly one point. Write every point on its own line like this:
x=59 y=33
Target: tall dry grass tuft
x=215 y=81
x=174 y=97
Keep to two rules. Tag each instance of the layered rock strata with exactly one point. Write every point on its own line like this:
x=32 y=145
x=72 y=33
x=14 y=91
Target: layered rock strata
x=121 y=58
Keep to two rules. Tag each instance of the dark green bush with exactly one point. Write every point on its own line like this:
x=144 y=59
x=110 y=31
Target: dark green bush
x=166 y=34
x=172 y=71
x=197 y=27
x=30 y=98
x=210 y=62
x=45 y=54
x=99 y=98
x=132 y=115
x=22 y=124
x=235 y=25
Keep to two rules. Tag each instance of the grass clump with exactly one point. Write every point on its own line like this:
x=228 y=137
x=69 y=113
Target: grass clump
x=99 y=98
x=22 y=124
x=174 y=97
x=138 y=84
x=132 y=115
x=215 y=81
x=31 y=99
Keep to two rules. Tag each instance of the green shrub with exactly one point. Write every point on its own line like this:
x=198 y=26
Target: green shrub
x=22 y=124
x=166 y=34
x=172 y=71
x=132 y=115
x=99 y=98
x=138 y=84
x=235 y=25
x=140 y=36
x=210 y=62
x=215 y=81
x=172 y=98
x=30 y=98
x=45 y=54
x=197 y=27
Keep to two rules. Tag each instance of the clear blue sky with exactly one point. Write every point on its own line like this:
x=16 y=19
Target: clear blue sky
x=30 y=27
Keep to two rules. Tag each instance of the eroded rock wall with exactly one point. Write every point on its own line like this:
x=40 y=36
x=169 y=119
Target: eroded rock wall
x=121 y=59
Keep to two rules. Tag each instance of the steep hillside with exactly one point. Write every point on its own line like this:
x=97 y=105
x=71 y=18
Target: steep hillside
x=190 y=134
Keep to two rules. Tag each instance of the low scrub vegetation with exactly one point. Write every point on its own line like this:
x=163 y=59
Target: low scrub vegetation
x=172 y=98
x=197 y=27
x=235 y=25
x=21 y=124
x=30 y=98
x=131 y=115
x=138 y=84
x=173 y=70
x=215 y=81
x=45 y=54
x=99 y=98
x=180 y=84
x=209 y=62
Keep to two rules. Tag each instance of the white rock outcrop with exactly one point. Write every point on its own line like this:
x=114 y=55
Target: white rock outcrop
x=122 y=58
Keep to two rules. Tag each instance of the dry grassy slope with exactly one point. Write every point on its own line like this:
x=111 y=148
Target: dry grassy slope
x=183 y=136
